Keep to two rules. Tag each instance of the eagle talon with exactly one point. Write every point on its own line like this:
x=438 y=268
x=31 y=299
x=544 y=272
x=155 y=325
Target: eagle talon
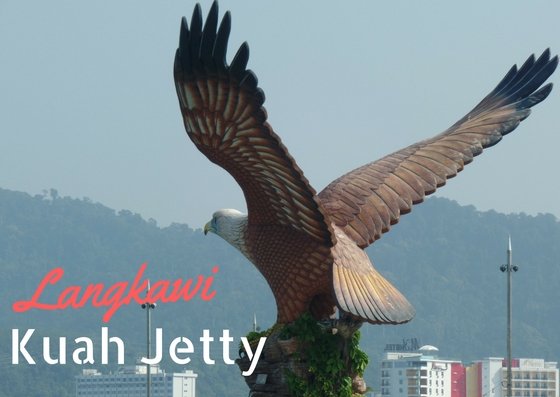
x=345 y=326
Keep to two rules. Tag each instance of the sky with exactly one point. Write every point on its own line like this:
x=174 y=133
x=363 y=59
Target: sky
x=89 y=106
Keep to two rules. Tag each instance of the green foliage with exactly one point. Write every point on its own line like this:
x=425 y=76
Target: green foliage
x=253 y=337
x=358 y=358
x=331 y=360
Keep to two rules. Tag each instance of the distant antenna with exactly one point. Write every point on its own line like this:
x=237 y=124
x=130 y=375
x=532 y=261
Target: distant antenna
x=510 y=268
x=149 y=306
x=256 y=328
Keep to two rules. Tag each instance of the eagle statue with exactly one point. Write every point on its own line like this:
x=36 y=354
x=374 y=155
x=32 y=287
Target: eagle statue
x=310 y=247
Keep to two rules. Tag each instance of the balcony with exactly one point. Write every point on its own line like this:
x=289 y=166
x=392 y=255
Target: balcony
x=412 y=373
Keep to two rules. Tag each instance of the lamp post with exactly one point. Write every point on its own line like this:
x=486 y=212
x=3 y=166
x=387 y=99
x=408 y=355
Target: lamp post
x=509 y=268
x=149 y=307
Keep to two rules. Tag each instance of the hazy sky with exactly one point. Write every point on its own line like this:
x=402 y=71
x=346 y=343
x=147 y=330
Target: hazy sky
x=89 y=106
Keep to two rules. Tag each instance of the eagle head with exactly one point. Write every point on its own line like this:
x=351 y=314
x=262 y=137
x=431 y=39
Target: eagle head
x=230 y=225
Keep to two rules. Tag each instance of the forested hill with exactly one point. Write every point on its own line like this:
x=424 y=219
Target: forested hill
x=445 y=258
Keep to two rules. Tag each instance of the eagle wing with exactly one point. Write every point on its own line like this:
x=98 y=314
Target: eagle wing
x=365 y=202
x=223 y=114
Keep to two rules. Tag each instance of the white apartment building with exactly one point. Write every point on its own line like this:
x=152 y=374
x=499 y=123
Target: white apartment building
x=421 y=374
x=531 y=378
x=409 y=371
x=131 y=382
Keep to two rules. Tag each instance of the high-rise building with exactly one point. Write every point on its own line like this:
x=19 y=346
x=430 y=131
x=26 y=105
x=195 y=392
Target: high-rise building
x=531 y=378
x=421 y=374
x=131 y=382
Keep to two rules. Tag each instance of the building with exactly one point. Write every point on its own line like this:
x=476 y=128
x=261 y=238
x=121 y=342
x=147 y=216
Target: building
x=531 y=378
x=421 y=374
x=409 y=371
x=131 y=382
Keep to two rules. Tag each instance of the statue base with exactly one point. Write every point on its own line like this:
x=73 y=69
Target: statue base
x=284 y=367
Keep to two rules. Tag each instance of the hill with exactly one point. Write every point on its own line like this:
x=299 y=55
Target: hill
x=443 y=257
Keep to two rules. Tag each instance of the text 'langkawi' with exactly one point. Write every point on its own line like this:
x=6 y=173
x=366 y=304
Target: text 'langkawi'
x=118 y=294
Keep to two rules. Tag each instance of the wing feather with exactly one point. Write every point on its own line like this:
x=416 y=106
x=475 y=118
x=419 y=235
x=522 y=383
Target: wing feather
x=223 y=114
x=365 y=202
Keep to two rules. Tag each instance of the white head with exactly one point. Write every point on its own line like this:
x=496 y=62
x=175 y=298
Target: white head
x=230 y=225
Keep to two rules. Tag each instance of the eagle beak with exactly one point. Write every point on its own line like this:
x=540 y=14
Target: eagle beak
x=208 y=228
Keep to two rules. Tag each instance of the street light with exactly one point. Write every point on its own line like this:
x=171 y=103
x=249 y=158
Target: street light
x=149 y=306
x=509 y=268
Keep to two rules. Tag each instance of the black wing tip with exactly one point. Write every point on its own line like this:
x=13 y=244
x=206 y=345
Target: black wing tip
x=536 y=98
x=184 y=34
x=203 y=46
x=534 y=92
x=554 y=62
x=208 y=38
x=196 y=19
x=238 y=65
x=521 y=87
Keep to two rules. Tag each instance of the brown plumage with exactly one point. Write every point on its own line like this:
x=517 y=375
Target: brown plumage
x=309 y=247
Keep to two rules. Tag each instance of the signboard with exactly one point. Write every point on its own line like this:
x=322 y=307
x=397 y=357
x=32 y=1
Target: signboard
x=407 y=345
x=531 y=363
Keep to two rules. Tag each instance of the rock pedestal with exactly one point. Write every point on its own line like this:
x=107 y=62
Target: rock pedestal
x=280 y=361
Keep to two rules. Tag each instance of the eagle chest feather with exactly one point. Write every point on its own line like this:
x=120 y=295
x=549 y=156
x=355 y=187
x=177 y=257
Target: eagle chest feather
x=296 y=267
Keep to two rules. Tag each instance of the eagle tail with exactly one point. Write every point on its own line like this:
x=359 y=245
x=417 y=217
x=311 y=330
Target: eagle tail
x=370 y=296
x=361 y=290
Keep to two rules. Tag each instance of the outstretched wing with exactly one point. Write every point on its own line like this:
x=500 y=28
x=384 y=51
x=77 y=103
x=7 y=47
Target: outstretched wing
x=368 y=200
x=224 y=117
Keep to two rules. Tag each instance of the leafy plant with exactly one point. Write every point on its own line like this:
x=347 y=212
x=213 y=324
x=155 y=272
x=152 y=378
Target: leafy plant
x=331 y=360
